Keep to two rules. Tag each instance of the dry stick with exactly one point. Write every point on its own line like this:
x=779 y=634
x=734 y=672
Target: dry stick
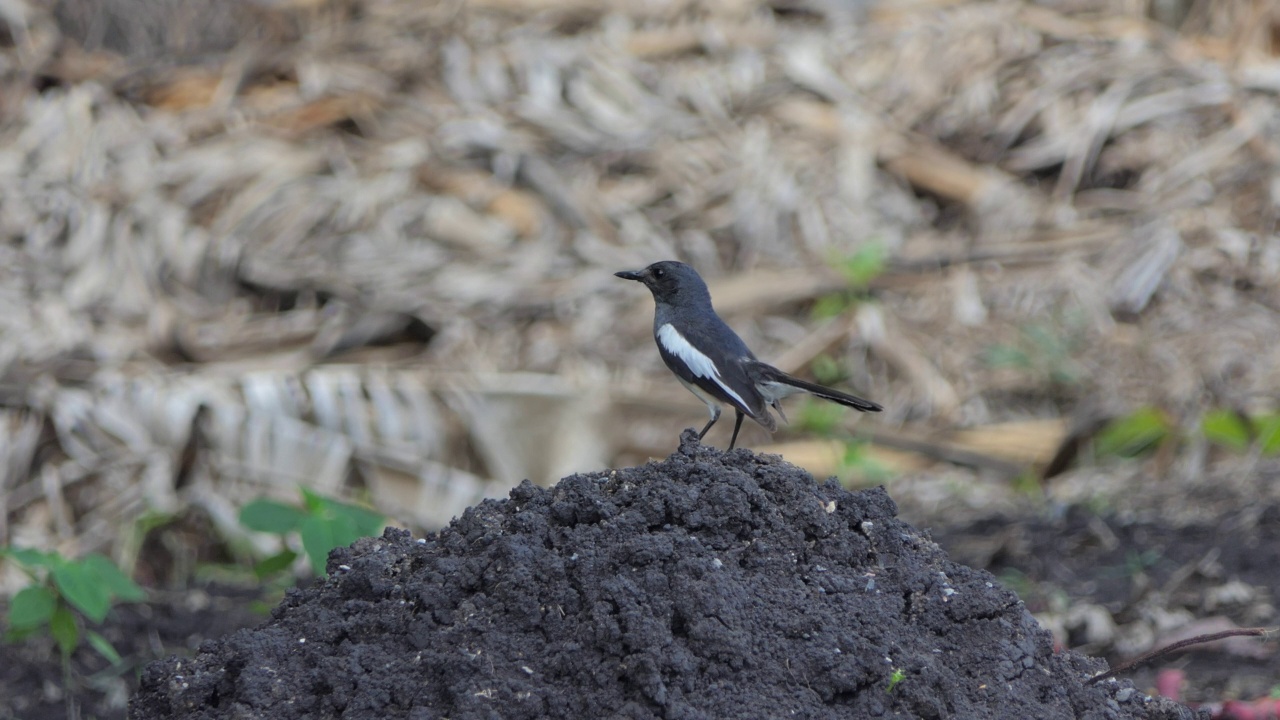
x=1153 y=654
x=947 y=452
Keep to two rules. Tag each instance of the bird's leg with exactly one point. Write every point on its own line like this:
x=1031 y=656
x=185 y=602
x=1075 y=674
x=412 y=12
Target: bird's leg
x=736 y=424
x=715 y=415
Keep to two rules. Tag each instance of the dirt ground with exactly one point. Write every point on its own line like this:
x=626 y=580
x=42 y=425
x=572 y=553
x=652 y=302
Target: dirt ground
x=1216 y=574
x=1061 y=562
x=709 y=585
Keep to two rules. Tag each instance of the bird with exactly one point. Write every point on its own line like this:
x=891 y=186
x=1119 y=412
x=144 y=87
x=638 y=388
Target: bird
x=709 y=358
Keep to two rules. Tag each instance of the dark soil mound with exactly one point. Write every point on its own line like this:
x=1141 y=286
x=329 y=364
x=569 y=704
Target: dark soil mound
x=711 y=585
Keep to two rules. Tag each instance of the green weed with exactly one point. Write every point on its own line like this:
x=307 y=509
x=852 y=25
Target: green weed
x=1137 y=433
x=1045 y=351
x=64 y=593
x=895 y=677
x=858 y=269
x=322 y=523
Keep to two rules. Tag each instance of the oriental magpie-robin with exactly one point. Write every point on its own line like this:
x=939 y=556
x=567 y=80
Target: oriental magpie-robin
x=709 y=357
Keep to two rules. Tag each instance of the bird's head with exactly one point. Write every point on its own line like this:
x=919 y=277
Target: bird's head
x=670 y=281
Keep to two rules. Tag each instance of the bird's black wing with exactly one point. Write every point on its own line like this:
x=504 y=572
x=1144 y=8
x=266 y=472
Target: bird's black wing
x=713 y=358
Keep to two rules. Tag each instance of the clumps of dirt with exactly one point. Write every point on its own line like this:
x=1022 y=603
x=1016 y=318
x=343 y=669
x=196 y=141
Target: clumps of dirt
x=709 y=585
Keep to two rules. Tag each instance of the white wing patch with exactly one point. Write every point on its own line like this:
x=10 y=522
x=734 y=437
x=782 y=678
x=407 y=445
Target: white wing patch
x=698 y=364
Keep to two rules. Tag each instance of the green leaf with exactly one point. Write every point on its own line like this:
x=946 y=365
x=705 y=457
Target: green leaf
x=827 y=370
x=1226 y=428
x=1133 y=434
x=119 y=585
x=317 y=541
x=313 y=501
x=1268 y=429
x=1027 y=482
x=857 y=461
x=62 y=625
x=897 y=676
x=103 y=646
x=261 y=607
x=1017 y=581
x=34 y=558
x=270 y=516
x=81 y=587
x=31 y=607
x=864 y=265
x=367 y=522
x=820 y=418
x=344 y=531
x=830 y=305
x=275 y=564
x=320 y=535
x=14 y=635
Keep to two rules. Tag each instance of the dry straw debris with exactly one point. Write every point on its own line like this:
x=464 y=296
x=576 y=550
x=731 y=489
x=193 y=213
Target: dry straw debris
x=368 y=243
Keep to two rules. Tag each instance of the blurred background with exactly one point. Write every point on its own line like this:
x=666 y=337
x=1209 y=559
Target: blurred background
x=367 y=246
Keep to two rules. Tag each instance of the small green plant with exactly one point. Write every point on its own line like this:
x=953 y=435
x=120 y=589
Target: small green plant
x=1227 y=428
x=1035 y=594
x=1044 y=351
x=1267 y=427
x=827 y=370
x=820 y=418
x=1137 y=433
x=858 y=269
x=866 y=264
x=1144 y=430
x=826 y=420
x=62 y=594
x=322 y=523
x=1028 y=484
x=1238 y=431
x=1017 y=581
x=1136 y=563
x=1099 y=504
x=858 y=463
x=897 y=676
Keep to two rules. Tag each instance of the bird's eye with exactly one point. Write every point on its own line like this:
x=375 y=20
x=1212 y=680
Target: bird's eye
x=659 y=273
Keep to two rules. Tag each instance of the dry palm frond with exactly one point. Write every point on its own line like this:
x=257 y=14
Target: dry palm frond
x=371 y=246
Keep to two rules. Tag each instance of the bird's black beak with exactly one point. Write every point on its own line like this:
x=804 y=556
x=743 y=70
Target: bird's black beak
x=630 y=275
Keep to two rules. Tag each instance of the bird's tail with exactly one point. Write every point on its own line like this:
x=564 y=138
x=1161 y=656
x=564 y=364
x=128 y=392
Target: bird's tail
x=771 y=374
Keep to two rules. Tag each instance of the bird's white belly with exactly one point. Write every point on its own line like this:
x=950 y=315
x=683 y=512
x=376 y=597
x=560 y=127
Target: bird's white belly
x=713 y=405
